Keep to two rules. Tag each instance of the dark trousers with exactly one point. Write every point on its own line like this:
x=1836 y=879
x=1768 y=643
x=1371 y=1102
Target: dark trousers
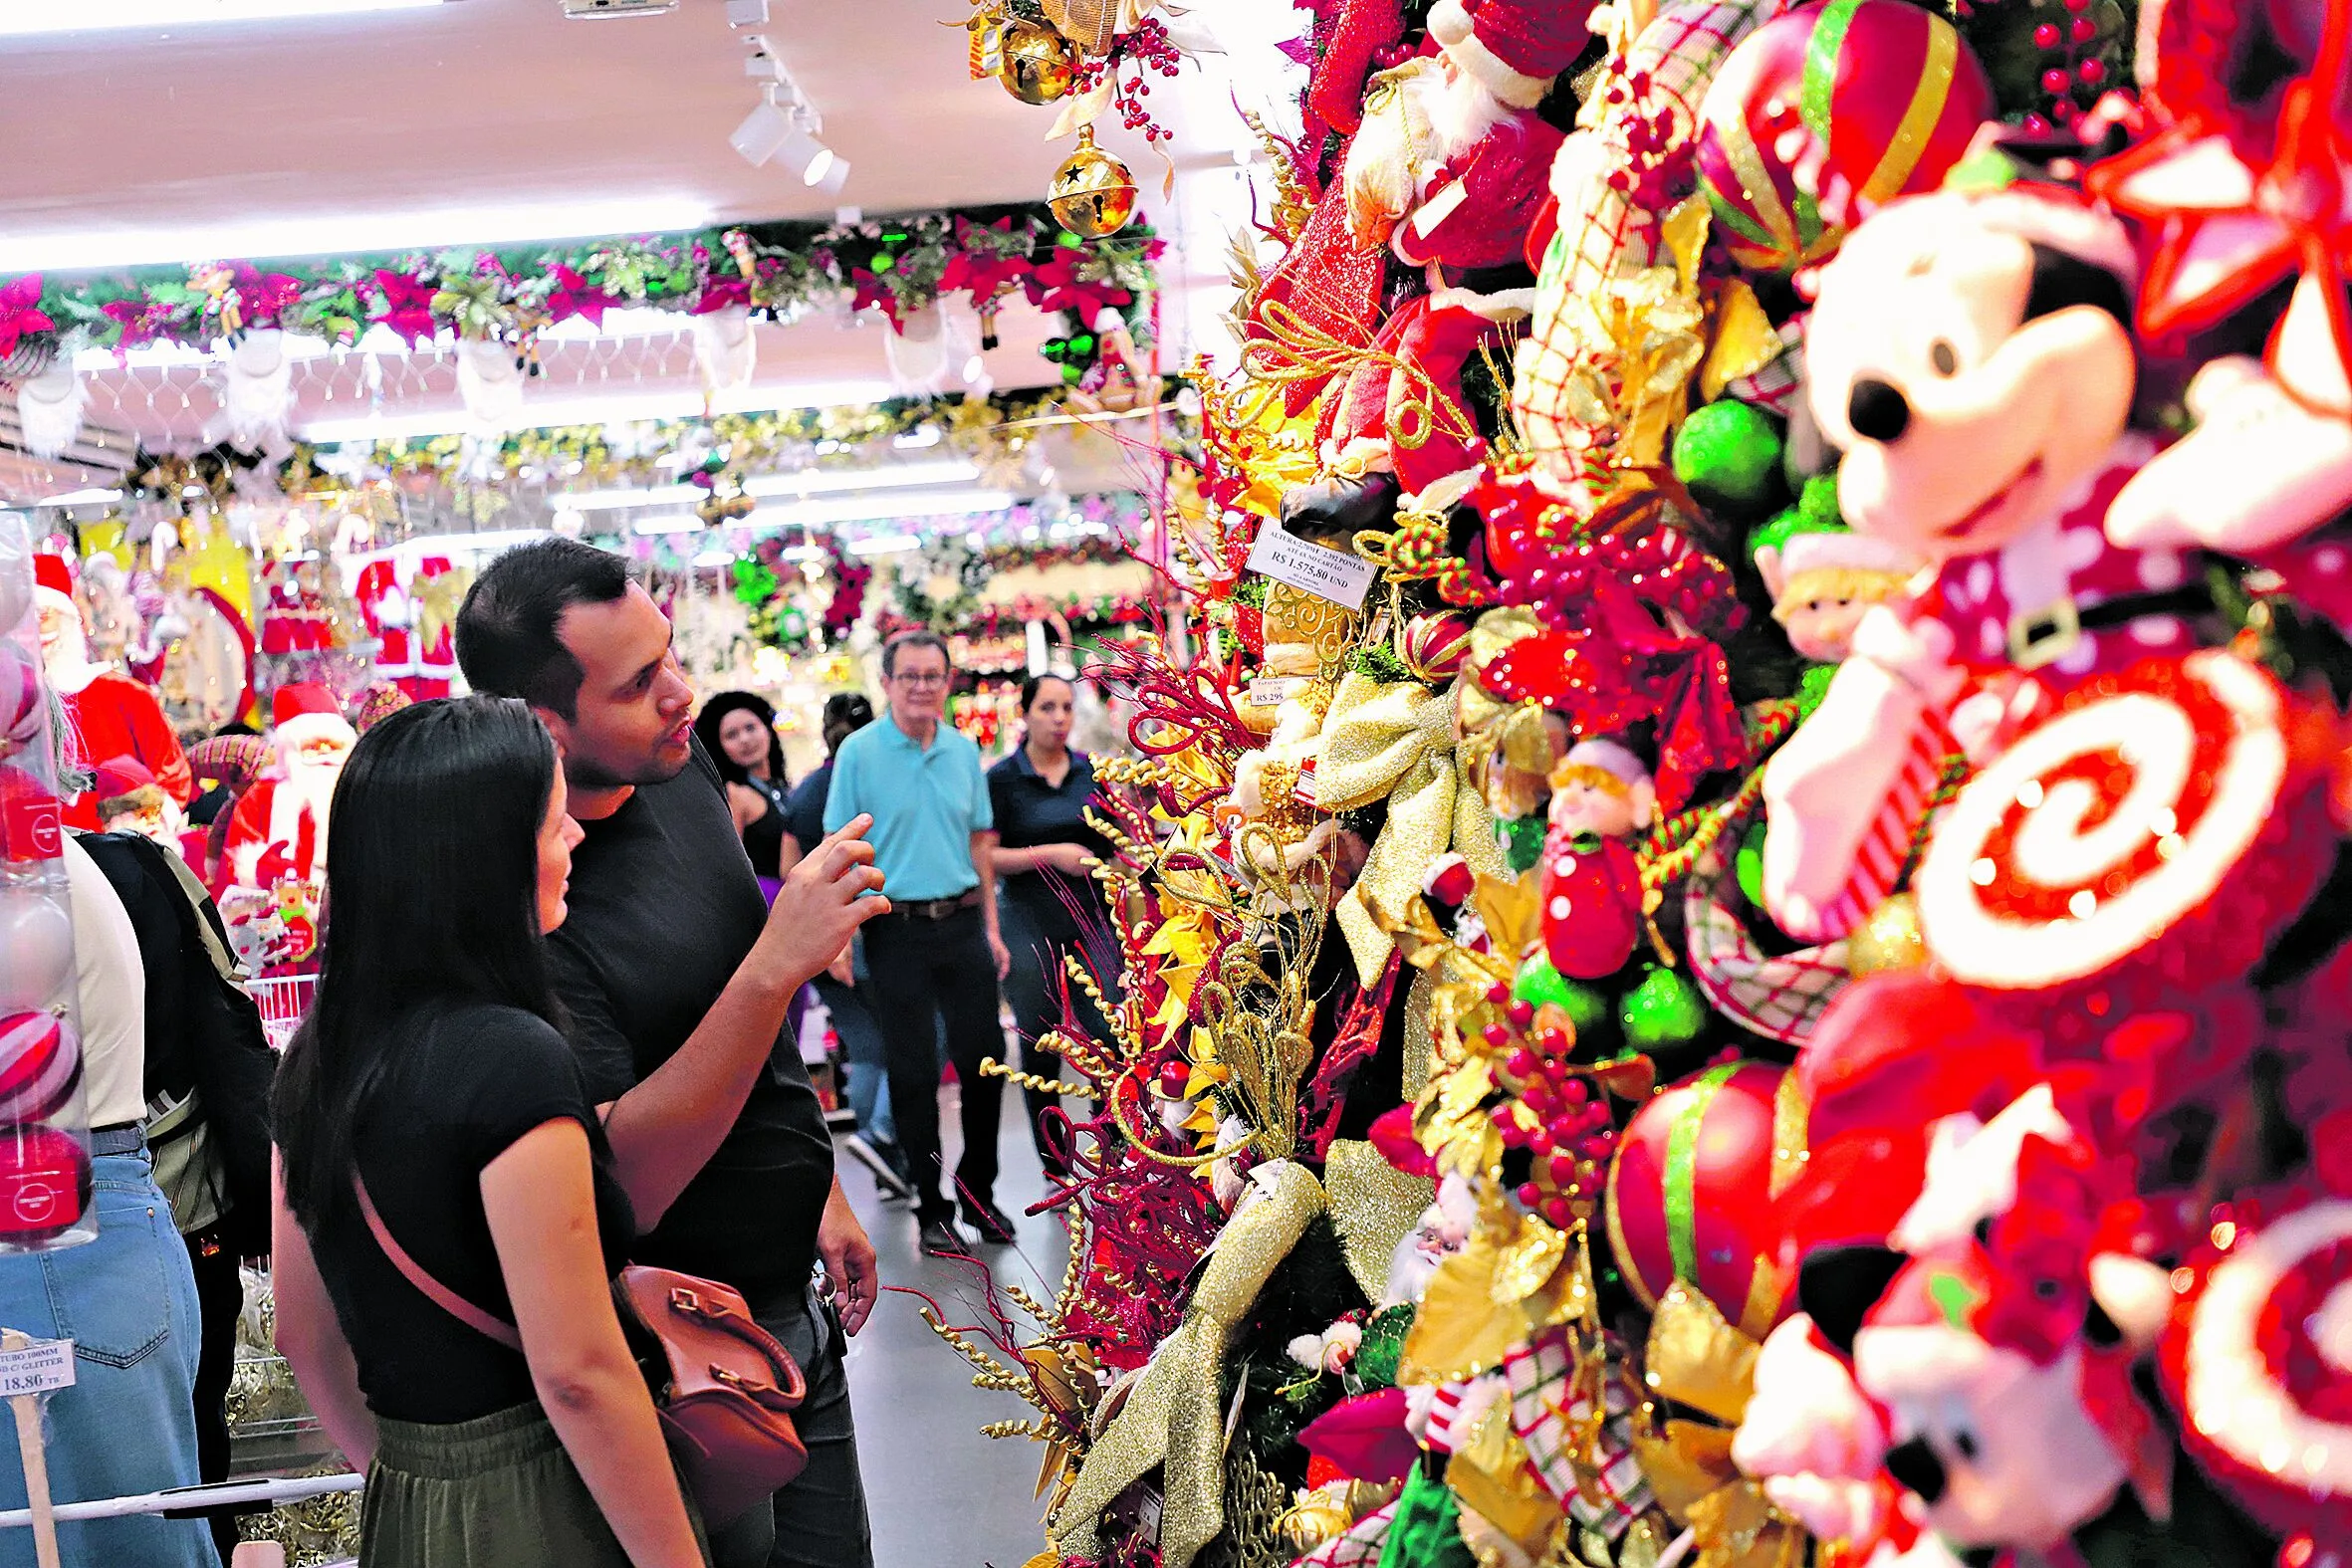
x=820 y=1520
x=220 y=1297
x=1035 y=989
x=926 y=971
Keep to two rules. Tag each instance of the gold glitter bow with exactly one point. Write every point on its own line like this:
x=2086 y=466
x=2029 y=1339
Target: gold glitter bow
x=1375 y=1207
x=1695 y=1358
x=1398 y=740
x=1174 y=1417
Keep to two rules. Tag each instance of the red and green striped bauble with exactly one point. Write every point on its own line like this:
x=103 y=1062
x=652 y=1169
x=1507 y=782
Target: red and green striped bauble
x=1691 y=1188
x=1888 y=88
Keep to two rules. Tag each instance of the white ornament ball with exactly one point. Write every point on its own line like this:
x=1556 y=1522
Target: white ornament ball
x=36 y=950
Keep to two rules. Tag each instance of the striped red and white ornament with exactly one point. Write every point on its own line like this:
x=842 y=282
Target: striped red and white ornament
x=1823 y=115
x=44 y=1183
x=39 y=1066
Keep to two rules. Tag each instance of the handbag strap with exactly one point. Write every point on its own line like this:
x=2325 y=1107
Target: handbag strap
x=434 y=1292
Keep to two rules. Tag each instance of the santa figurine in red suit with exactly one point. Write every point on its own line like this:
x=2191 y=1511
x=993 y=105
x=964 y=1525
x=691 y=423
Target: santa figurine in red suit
x=112 y=715
x=275 y=857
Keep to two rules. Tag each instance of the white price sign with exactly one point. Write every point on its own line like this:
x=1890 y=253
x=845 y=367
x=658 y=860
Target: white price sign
x=39 y=1368
x=1312 y=569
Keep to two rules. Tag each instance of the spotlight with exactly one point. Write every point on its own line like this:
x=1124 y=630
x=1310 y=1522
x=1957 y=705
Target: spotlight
x=763 y=131
x=836 y=175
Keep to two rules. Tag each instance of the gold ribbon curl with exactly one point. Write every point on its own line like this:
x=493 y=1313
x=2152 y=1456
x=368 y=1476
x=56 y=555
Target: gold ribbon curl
x=1174 y=1417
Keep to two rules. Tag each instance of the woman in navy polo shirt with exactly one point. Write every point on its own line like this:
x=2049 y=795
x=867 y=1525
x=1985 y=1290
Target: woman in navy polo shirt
x=1051 y=907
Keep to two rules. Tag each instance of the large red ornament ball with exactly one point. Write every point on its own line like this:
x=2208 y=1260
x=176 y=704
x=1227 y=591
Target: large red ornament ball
x=1823 y=115
x=2258 y=1359
x=39 y=1066
x=1691 y=1190
x=44 y=1183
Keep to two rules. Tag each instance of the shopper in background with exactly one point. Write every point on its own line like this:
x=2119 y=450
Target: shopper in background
x=209 y=1067
x=738 y=731
x=677 y=982
x=1052 y=909
x=939 y=953
x=127 y=1300
x=431 y=1083
x=842 y=986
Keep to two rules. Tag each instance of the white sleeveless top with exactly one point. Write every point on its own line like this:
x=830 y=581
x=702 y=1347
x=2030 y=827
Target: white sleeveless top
x=112 y=985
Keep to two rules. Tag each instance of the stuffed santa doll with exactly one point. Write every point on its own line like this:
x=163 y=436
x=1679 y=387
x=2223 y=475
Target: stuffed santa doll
x=112 y=715
x=129 y=800
x=279 y=832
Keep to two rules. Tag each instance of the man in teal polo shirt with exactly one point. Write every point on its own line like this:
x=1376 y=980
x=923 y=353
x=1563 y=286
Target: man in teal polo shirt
x=938 y=953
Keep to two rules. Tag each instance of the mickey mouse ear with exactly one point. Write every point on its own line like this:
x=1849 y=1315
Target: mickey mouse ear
x=1838 y=1286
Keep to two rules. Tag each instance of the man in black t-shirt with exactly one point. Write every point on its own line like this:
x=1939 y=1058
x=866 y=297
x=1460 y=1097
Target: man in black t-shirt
x=676 y=981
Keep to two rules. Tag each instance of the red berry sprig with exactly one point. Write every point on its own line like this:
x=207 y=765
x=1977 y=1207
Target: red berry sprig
x=1553 y=1112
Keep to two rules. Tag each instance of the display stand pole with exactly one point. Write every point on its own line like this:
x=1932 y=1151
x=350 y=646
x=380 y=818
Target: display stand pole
x=35 y=1458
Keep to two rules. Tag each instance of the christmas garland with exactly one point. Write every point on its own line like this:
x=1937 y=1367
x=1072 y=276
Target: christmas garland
x=513 y=293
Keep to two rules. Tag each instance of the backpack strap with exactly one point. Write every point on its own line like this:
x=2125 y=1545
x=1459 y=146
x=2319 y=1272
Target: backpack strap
x=434 y=1292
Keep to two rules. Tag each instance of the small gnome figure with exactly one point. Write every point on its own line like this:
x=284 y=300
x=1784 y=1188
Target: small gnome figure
x=1601 y=795
x=129 y=800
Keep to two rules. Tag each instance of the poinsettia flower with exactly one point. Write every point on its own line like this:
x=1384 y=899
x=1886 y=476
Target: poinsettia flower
x=721 y=291
x=266 y=297
x=2237 y=218
x=572 y=295
x=873 y=292
x=1055 y=285
x=20 y=310
x=407 y=305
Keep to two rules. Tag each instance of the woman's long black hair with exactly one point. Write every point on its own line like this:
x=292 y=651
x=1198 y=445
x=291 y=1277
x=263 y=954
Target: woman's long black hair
x=714 y=713
x=433 y=885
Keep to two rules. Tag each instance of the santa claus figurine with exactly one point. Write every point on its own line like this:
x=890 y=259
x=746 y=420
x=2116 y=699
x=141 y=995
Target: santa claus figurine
x=129 y=800
x=276 y=840
x=112 y=715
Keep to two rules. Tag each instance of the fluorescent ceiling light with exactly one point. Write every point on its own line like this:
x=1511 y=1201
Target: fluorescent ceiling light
x=82 y=498
x=614 y=500
x=674 y=523
x=886 y=545
x=619 y=408
x=906 y=476
x=884 y=509
x=431 y=228
x=20 y=18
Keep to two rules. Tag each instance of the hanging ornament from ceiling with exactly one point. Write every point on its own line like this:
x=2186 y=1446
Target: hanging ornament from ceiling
x=489 y=379
x=725 y=349
x=49 y=409
x=1035 y=64
x=257 y=391
x=1094 y=193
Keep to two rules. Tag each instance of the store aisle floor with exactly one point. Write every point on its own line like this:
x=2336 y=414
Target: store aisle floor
x=941 y=1495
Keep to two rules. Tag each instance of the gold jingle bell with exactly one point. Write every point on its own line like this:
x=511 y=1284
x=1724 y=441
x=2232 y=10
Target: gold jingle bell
x=1888 y=940
x=1039 y=64
x=1093 y=195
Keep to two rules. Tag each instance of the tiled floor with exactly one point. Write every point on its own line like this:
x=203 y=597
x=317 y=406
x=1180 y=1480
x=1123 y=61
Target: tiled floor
x=941 y=1495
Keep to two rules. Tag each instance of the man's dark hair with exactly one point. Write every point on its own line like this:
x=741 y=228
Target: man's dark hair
x=915 y=639
x=506 y=632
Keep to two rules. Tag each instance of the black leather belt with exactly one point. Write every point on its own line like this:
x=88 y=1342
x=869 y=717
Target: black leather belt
x=122 y=1137
x=935 y=908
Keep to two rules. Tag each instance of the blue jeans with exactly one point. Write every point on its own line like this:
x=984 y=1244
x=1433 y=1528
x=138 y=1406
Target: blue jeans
x=861 y=1047
x=127 y=1300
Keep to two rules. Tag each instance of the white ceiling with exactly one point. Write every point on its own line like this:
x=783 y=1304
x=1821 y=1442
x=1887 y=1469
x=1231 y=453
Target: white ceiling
x=489 y=120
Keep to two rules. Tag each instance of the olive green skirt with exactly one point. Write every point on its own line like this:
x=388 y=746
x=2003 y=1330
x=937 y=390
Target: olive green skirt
x=496 y=1492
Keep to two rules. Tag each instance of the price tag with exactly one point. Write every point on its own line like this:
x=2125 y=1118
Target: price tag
x=40 y=1367
x=1312 y=569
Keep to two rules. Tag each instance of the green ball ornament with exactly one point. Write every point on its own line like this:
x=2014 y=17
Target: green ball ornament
x=1728 y=454
x=1664 y=1010
x=1538 y=985
x=1522 y=842
x=1747 y=865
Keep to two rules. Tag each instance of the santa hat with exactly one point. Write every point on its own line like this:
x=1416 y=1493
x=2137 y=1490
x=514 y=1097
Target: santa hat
x=124 y=784
x=305 y=712
x=1513 y=47
x=53 y=585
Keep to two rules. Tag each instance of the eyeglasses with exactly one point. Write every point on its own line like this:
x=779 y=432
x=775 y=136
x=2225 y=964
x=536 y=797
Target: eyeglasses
x=927 y=678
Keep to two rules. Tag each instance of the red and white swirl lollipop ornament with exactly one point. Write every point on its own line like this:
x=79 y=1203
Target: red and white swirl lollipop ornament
x=21 y=702
x=2161 y=820
x=39 y=1066
x=2257 y=1361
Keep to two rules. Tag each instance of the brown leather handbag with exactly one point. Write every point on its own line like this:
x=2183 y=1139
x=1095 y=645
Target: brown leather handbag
x=724 y=1389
